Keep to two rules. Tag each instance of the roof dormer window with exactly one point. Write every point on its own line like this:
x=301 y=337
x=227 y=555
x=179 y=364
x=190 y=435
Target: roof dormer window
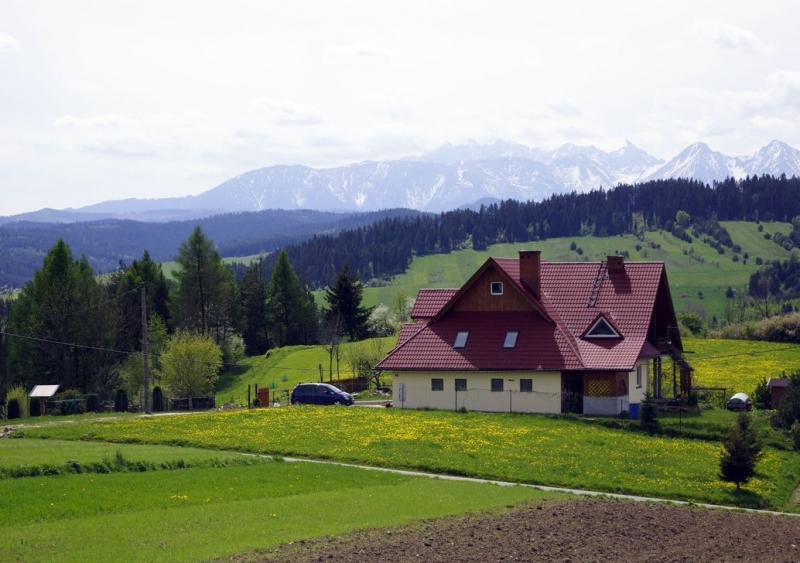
x=602 y=329
x=461 y=339
x=511 y=339
x=496 y=288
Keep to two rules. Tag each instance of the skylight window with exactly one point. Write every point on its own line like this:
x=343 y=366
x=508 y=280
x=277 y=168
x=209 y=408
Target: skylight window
x=602 y=329
x=461 y=339
x=511 y=339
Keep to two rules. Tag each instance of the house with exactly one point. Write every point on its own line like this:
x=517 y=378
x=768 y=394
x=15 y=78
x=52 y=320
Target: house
x=777 y=387
x=526 y=335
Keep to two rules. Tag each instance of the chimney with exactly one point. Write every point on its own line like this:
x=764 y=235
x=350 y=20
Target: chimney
x=530 y=272
x=616 y=264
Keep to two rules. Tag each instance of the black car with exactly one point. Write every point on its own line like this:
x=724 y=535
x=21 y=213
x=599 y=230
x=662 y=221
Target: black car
x=320 y=394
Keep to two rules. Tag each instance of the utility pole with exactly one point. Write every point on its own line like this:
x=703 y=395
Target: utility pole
x=145 y=353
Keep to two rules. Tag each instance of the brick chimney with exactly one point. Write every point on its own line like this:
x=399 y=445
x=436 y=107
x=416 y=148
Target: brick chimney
x=616 y=264
x=530 y=271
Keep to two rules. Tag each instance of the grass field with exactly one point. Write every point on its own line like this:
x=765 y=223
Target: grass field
x=524 y=448
x=198 y=514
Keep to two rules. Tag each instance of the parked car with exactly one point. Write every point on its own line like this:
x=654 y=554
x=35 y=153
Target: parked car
x=739 y=402
x=320 y=394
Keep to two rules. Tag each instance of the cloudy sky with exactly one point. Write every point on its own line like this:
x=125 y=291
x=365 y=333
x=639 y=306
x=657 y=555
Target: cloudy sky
x=107 y=99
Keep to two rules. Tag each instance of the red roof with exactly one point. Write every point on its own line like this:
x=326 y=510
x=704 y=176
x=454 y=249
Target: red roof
x=551 y=332
x=430 y=301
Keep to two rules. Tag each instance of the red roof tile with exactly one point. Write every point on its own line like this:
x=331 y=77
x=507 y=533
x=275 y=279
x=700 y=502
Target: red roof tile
x=573 y=296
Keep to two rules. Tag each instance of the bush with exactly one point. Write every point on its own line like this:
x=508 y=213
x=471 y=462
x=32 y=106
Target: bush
x=741 y=451
x=13 y=409
x=18 y=392
x=762 y=396
x=649 y=422
x=121 y=401
x=795 y=434
x=93 y=403
x=158 y=399
x=789 y=411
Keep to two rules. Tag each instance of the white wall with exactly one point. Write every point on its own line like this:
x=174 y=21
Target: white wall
x=636 y=394
x=545 y=398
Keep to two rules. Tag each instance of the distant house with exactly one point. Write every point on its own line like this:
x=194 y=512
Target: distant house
x=526 y=335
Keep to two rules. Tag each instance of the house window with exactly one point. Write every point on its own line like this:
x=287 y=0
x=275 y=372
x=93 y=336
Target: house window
x=461 y=384
x=496 y=288
x=497 y=384
x=511 y=339
x=437 y=384
x=639 y=370
x=602 y=329
x=461 y=339
x=526 y=385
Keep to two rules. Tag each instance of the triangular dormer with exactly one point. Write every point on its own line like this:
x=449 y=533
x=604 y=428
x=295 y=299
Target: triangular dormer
x=602 y=327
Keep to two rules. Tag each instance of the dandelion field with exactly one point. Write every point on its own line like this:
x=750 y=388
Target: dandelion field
x=521 y=448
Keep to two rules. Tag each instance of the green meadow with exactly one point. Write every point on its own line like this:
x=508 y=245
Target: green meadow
x=194 y=514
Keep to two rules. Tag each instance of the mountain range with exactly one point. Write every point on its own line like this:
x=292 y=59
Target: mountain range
x=450 y=177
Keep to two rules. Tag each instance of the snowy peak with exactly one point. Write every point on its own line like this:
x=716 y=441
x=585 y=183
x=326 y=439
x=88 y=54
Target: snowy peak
x=699 y=162
x=774 y=159
x=471 y=150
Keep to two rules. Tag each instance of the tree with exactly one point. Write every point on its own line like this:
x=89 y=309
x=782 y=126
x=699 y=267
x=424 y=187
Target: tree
x=255 y=324
x=190 y=364
x=344 y=302
x=206 y=297
x=693 y=322
x=290 y=306
x=762 y=396
x=65 y=326
x=741 y=451
x=400 y=309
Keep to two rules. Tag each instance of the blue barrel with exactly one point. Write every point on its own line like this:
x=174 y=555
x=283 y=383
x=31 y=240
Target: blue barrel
x=633 y=411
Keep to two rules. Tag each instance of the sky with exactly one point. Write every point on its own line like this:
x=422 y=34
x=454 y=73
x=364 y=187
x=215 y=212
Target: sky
x=104 y=100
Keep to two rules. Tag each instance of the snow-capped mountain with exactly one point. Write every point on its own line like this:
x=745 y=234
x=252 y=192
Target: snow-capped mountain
x=449 y=177
x=774 y=159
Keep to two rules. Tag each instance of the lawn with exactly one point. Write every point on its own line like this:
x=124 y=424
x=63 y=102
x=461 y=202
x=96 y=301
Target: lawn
x=203 y=513
x=523 y=448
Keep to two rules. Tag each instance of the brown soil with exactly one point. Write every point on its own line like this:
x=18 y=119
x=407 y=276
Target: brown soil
x=576 y=530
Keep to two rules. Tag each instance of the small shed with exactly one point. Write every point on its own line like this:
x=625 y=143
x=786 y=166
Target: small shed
x=777 y=387
x=43 y=393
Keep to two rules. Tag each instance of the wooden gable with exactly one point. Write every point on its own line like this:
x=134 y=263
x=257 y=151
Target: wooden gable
x=480 y=297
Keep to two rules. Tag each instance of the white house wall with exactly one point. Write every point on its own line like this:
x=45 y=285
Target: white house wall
x=416 y=388
x=636 y=394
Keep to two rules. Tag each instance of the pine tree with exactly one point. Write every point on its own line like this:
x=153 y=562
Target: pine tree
x=344 y=304
x=255 y=325
x=290 y=306
x=742 y=450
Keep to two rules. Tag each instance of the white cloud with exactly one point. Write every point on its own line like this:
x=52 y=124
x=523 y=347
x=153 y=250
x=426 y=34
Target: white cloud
x=728 y=36
x=283 y=112
x=360 y=50
x=8 y=44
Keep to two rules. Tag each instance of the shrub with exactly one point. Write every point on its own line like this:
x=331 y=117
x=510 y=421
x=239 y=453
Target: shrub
x=789 y=411
x=93 y=403
x=13 y=409
x=649 y=422
x=158 y=399
x=18 y=392
x=741 y=452
x=121 y=401
x=762 y=396
x=795 y=434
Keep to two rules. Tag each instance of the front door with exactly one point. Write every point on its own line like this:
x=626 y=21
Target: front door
x=572 y=392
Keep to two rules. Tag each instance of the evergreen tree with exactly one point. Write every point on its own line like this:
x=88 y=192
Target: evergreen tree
x=65 y=325
x=344 y=304
x=741 y=451
x=255 y=324
x=206 y=299
x=290 y=306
